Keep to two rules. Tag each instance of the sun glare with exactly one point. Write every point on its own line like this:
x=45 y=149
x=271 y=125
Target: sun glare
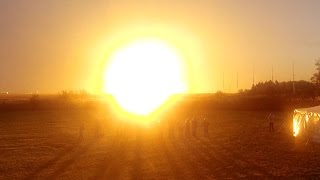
x=142 y=75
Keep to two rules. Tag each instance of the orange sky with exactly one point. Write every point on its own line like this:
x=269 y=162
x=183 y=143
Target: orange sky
x=54 y=45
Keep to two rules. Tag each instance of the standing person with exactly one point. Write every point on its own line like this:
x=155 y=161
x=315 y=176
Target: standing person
x=81 y=129
x=99 y=132
x=171 y=128
x=271 y=122
x=181 y=128
x=205 y=125
x=160 y=128
x=194 y=126
x=187 y=124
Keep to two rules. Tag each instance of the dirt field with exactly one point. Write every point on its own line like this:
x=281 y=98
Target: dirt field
x=44 y=145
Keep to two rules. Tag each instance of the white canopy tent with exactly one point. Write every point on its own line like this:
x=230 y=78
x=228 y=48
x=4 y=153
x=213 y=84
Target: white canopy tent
x=306 y=122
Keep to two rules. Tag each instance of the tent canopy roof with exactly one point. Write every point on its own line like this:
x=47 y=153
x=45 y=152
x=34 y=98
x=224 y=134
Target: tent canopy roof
x=315 y=109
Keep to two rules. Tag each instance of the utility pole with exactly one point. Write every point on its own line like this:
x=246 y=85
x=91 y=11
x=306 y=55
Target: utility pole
x=293 y=85
x=223 y=82
x=237 y=81
x=272 y=73
x=253 y=77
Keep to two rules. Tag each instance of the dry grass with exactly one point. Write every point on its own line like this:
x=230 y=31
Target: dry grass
x=44 y=145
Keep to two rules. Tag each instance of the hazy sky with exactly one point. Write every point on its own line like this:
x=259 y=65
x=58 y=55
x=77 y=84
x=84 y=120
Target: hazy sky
x=57 y=44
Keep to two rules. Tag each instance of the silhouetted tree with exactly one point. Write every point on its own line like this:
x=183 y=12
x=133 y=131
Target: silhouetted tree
x=304 y=89
x=316 y=76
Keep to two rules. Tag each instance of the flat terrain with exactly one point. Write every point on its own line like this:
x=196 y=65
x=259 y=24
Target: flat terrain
x=45 y=145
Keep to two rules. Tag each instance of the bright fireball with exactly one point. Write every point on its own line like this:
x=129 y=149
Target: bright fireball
x=142 y=75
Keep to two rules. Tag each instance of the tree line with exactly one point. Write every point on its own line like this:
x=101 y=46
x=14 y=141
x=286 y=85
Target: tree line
x=298 y=89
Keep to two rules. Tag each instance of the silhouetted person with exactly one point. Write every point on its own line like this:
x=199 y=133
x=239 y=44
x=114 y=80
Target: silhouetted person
x=171 y=128
x=81 y=130
x=271 y=122
x=99 y=132
x=187 y=125
x=181 y=128
x=205 y=125
x=160 y=129
x=194 y=125
x=120 y=127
